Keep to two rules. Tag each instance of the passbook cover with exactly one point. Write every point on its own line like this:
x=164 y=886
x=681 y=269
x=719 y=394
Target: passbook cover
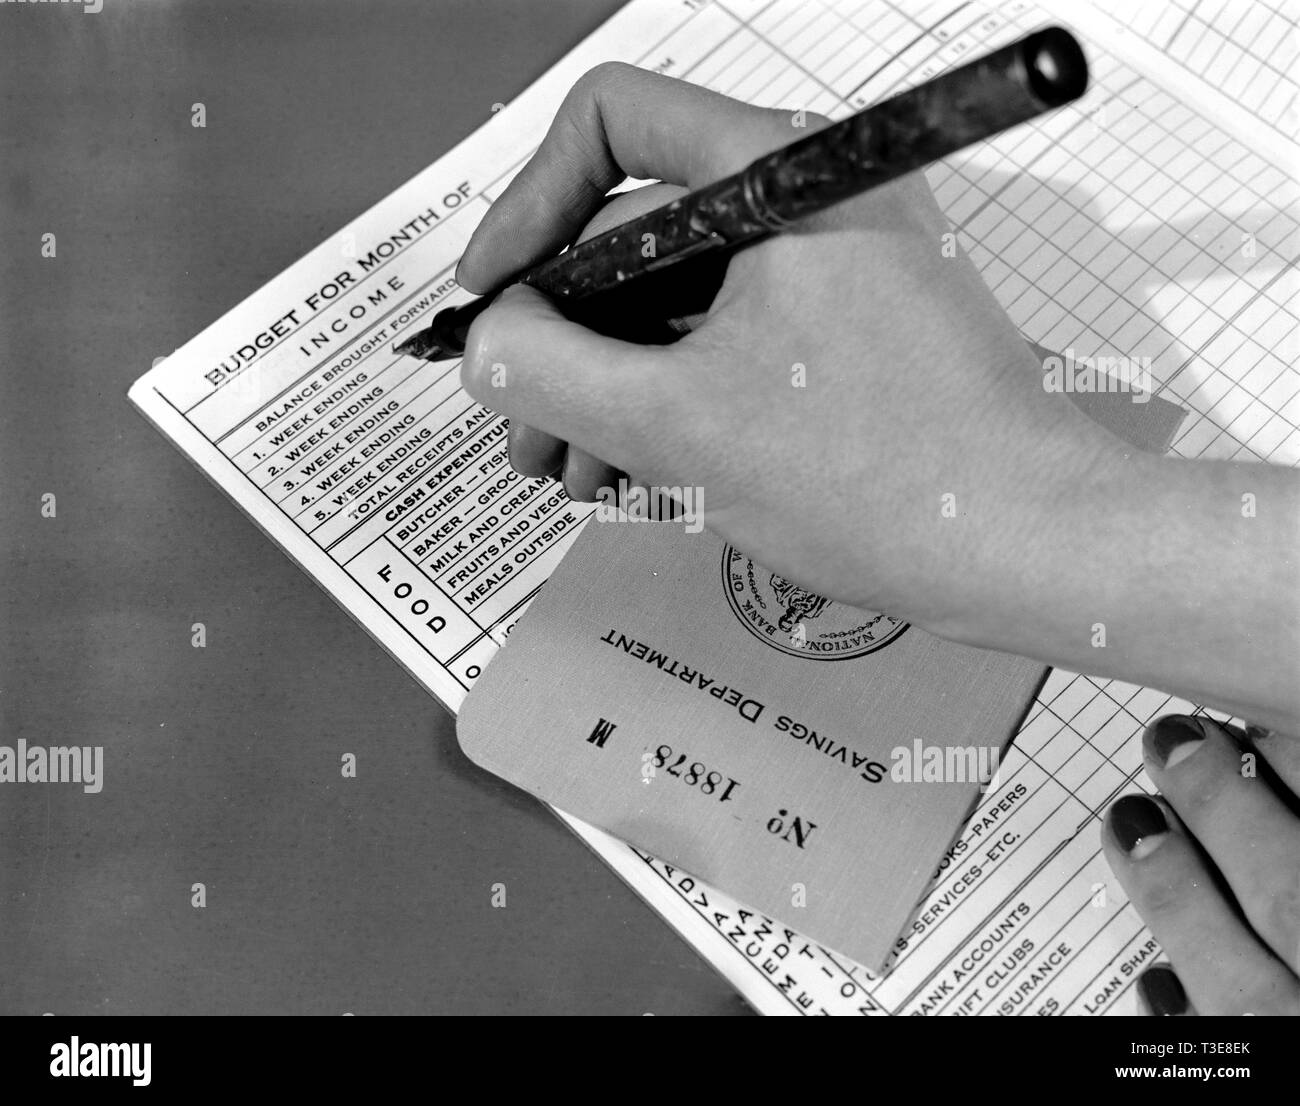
x=809 y=758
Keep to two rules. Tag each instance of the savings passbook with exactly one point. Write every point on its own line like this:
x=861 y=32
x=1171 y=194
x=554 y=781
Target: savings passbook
x=809 y=758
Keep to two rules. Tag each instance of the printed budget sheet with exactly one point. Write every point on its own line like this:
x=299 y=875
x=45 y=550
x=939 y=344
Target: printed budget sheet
x=1112 y=225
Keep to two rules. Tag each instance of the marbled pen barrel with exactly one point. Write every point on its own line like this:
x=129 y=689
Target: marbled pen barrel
x=959 y=108
x=670 y=262
x=966 y=105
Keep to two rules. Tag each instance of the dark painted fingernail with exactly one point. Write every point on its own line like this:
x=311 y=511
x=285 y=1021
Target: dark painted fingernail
x=1174 y=738
x=1162 y=992
x=1257 y=733
x=1133 y=819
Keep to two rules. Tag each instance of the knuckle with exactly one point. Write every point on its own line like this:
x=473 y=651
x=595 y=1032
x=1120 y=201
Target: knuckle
x=600 y=78
x=606 y=71
x=577 y=140
x=1163 y=896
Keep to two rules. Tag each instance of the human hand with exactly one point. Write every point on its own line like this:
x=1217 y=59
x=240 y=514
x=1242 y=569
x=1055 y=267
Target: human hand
x=851 y=375
x=1213 y=867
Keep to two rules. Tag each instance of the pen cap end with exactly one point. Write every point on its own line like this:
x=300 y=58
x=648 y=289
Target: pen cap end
x=1056 y=67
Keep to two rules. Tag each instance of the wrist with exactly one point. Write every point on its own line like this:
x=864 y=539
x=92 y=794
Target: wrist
x=1055 y=542
x=1174 y=574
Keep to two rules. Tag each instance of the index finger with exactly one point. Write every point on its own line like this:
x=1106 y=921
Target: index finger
x=618 y=121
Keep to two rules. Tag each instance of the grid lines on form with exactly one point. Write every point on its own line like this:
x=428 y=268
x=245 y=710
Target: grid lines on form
x=1244 y=48
x=1131 y=227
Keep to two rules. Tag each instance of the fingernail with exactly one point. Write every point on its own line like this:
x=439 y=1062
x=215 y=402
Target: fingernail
x=1137 y=823
x=1257 y=733
x=1162 y=991
x=1174 y=738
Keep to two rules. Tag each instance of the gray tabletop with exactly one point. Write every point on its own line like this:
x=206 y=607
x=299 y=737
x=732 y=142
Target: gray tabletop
x=222 y=764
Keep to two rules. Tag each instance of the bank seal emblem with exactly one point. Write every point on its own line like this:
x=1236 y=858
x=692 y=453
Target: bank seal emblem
x=796 y=621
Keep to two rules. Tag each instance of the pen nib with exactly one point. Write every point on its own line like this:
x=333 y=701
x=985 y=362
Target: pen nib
x=419 y=345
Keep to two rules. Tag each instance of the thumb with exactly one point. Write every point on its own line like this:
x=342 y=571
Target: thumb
x=618 y=401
